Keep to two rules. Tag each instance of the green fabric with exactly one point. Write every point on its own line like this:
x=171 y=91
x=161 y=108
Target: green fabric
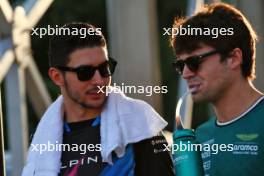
x=245 y=137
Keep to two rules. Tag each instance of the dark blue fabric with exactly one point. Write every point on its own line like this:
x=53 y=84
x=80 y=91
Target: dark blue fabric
x=74 y=132
x=123 y=166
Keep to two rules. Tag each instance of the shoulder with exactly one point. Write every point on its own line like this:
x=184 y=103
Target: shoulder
x=153 y=145
x=204 y=130
x=152 y=157
x=259 y=105
x=206 y=125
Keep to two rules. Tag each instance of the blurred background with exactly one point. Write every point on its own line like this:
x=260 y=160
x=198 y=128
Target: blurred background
x=134 y=33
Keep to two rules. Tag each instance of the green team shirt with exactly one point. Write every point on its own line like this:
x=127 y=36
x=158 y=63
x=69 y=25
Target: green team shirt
x=236 y=147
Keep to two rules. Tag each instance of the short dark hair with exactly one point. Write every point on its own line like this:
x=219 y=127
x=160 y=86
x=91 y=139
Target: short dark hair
x=61 y=46
x=219 y=15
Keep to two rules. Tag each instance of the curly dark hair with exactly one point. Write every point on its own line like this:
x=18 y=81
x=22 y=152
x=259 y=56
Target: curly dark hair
x=221 y=16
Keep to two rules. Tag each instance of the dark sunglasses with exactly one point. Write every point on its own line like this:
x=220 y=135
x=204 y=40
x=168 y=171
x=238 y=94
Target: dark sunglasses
x=85 y=73
x=192 y=62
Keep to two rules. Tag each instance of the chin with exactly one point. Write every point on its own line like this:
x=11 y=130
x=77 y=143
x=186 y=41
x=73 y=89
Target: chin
x=95 y=103
x=198 y=98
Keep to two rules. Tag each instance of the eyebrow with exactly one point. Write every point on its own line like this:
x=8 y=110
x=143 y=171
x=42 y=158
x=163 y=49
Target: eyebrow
x=178 y=58
x=92 y=65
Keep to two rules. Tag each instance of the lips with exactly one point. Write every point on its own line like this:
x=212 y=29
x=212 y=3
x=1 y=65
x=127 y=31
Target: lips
x=194 y=87
x=94 y=94
x=95 y=91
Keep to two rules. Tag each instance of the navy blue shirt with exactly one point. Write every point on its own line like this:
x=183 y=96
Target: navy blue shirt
x=84 y=138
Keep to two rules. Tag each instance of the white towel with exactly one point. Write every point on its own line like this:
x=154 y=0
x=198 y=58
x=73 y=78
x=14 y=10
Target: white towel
x=50 y=128
x=124 y=120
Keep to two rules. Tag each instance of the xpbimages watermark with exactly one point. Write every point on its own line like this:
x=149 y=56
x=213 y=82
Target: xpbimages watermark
x=214 y=32
x=49 y=147
x=148 y=90
x=213 y=148
x=49 y=30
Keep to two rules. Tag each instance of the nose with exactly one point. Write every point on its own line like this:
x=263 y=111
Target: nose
x=187 y=73
x=97 y=78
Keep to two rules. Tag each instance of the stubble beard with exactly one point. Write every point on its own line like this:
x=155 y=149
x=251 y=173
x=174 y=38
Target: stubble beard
x=76 y=97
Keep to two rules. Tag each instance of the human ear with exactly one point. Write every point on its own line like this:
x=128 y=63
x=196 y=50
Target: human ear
x=235 y=58
x=56 y=76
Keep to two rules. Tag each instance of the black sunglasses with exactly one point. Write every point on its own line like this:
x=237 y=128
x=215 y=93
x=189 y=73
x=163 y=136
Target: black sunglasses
x=192 y=62
x=85 y=73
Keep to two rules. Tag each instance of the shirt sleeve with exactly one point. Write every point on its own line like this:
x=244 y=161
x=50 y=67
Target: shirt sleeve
x=152 y=158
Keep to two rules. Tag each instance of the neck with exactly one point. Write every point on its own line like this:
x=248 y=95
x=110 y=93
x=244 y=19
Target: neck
x=76 y=113
x=235 y=101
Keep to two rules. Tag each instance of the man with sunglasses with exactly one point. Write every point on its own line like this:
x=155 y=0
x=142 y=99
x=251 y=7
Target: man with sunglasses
x=113 y=135
x=220 y=71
